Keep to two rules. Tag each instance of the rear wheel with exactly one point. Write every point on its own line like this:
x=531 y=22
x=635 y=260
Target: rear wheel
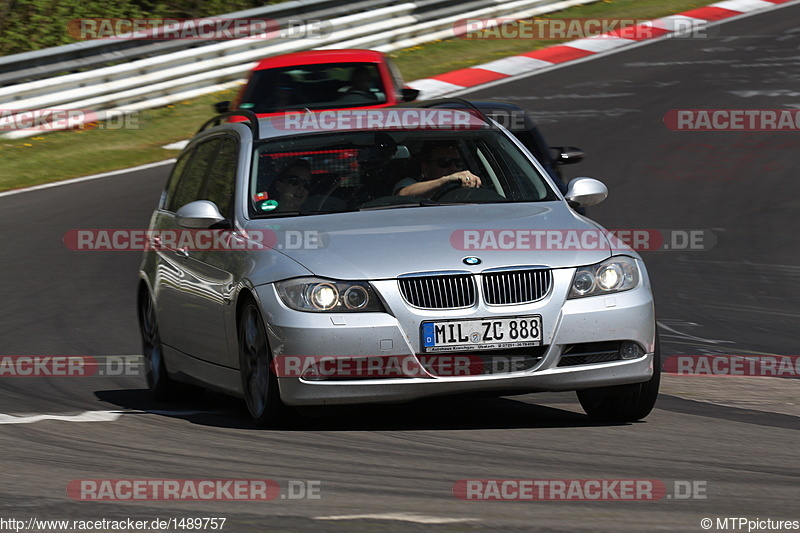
x=159 y=382
x=259 y=383
x=624 y=403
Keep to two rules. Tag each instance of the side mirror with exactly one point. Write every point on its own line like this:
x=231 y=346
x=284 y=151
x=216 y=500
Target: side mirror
x=200 y=214
x=409 y=95
x=568 y=155
x=222 y=107
x=583 y=192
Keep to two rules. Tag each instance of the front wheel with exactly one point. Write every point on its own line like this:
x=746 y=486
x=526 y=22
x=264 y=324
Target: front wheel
x=259 y=383
x=624 y=403
x=159 y=382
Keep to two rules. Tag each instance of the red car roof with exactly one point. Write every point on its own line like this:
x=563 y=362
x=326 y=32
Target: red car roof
x=313 y=57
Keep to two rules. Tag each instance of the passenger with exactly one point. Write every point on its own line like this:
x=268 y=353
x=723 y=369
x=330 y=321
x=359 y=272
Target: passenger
x=441 y=167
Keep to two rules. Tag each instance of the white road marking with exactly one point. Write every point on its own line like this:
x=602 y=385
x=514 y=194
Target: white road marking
x=87 y=178
x=180 y=145
x=98 y=416
x=403 y=517
x=665 y=324
x=86 y=416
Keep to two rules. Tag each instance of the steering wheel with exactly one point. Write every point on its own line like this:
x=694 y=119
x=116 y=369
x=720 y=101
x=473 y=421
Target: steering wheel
x=445 y=189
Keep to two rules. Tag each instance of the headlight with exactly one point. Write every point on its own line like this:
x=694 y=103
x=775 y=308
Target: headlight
x=616 y=274
x=323 y=295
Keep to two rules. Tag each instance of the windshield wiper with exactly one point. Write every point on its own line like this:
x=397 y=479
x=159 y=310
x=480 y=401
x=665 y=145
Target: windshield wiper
x=390 y=206
x=421 y=203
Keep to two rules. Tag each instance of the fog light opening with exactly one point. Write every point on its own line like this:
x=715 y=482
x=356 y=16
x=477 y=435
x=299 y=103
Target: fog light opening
x=630 y=350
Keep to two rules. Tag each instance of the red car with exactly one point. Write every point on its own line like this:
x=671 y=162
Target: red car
x=321 y=79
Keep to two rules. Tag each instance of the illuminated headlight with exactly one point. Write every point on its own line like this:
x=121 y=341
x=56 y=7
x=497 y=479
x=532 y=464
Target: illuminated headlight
x=616 y=274
x=610 y=277
x=322 y=295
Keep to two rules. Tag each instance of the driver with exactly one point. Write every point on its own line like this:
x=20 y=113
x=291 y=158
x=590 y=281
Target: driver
x=292 y=185
x=361 y=82
x=441 y=166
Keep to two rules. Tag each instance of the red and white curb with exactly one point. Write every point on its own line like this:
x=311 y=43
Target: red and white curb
x=458 y=80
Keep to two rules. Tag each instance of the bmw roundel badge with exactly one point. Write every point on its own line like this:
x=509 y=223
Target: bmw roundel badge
x=472 y=260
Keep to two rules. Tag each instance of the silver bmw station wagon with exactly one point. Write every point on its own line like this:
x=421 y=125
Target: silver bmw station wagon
x=386 y=255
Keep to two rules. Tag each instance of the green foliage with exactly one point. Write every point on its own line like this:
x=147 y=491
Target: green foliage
x=35 y=24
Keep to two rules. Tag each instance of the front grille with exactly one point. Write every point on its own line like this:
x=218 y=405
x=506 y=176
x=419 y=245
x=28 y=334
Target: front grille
x=516 y=287
x=439 y=292
x=590 y=352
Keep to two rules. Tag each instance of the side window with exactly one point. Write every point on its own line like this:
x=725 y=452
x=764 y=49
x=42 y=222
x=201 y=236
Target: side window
x=192 y=177
x=172 y=182
x=222 y=178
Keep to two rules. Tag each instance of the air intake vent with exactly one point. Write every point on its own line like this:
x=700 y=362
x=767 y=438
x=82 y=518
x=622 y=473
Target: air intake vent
x=588 y=353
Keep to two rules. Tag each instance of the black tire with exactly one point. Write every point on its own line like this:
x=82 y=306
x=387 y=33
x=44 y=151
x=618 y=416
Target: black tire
x=624 y=403
x=259 y=382
x=159 y=382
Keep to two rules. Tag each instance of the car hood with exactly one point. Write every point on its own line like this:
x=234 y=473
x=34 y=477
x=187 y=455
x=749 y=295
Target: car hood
x=385 y=244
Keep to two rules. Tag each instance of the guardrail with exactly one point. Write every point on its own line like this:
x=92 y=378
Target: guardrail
x=31 y=66
x=186 y=70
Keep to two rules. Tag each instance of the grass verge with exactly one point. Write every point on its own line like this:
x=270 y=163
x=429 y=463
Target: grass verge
x=63 y=155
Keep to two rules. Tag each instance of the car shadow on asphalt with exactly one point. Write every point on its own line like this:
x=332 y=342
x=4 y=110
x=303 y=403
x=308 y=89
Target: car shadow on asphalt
x=447 y=413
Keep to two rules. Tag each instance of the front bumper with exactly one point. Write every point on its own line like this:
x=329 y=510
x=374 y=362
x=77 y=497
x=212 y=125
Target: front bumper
x=625 y=316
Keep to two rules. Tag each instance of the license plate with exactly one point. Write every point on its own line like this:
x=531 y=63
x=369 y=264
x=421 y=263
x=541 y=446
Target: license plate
x=482 y=334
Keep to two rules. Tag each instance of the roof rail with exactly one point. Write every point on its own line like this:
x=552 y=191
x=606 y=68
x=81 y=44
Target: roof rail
x=252 y=120
x=444 y=102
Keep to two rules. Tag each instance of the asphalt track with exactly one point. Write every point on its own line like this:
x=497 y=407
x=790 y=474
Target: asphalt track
x=395 y=467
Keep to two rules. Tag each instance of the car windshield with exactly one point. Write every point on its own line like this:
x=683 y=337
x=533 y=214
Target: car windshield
x=358 y=170
x=326 y=86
